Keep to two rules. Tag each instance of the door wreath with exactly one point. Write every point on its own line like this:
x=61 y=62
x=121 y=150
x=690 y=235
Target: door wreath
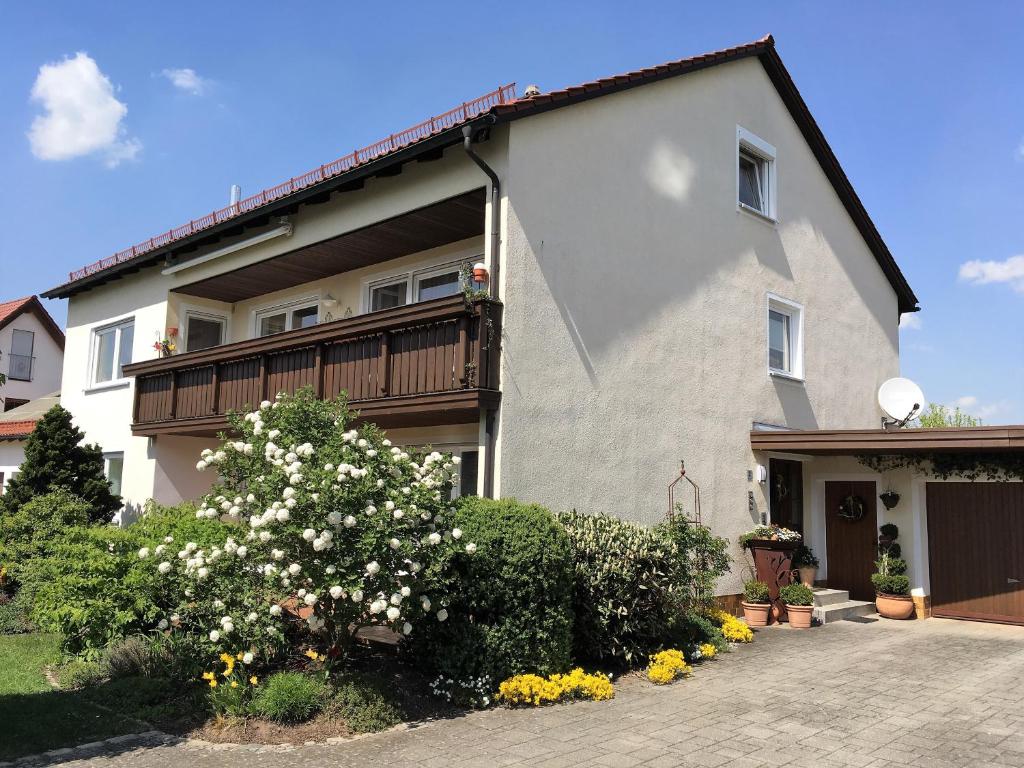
x=851 y=508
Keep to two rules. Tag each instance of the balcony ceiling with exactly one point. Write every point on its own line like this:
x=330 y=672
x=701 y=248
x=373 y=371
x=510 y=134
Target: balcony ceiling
x=448 y=221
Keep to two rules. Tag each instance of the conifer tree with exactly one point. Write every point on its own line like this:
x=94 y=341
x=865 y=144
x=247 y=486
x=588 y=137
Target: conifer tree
x=55 y=458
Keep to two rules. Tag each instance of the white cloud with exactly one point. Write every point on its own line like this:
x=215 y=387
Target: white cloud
x=186 y=79
x=984 y=411
x=81 y=115
x=911 y=321
x=1009 y=271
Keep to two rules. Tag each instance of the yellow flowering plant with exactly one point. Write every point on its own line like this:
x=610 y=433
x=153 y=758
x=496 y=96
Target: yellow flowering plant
x=668 y=666
x=534 y=690
x=232 y=687
x=733 y=629
x=707 y=650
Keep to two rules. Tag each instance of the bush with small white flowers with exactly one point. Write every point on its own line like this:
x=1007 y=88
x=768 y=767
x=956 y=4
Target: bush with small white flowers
x=325 y=528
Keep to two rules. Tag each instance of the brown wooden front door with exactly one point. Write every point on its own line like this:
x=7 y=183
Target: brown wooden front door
x=851 y=546
x=976 y=550
x=786 y=494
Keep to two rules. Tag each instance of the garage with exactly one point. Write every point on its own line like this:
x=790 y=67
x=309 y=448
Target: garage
x=976 y=550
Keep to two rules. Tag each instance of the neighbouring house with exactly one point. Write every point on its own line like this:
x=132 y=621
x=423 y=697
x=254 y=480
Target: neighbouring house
x=31 y=360
x=31 y=352
x=15 y=427
x=664 y=259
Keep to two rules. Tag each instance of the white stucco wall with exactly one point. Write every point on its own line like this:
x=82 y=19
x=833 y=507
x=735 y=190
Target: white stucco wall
x=46 y=368
x=12 y=453
x=635 y=300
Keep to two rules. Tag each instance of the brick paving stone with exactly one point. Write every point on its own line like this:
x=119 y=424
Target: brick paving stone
x=927 y=694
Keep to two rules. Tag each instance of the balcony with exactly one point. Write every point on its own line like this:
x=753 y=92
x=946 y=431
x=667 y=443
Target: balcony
x=423 y=364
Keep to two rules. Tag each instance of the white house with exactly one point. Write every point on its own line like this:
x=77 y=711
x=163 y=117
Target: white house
x=675 y=261
x=31 y=360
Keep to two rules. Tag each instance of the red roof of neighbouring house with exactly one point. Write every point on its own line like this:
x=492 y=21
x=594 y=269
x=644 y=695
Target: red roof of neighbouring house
x=16 y=430
x=10 y=310
x=495 y=107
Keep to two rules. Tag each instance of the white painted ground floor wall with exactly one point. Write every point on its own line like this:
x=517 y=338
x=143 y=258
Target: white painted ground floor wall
x=11 y=455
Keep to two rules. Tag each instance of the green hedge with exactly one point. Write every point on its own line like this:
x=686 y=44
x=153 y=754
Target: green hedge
x=512 y=610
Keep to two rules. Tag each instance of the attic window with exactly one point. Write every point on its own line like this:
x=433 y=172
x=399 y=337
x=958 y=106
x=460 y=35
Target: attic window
x=755 y=174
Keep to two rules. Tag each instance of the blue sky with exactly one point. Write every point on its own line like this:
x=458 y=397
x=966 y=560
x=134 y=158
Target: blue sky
x=922 y=103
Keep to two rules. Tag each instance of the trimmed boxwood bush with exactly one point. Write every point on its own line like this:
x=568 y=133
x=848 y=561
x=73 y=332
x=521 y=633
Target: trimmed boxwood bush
x=756 y=592
x=796 y=594
x=511 y=609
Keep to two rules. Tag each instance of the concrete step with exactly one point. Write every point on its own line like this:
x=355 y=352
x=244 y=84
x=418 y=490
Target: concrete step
x=824 y=596
x=847 y=609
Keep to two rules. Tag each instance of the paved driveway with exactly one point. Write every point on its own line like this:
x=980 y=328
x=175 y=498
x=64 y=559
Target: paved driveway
x=929 y=693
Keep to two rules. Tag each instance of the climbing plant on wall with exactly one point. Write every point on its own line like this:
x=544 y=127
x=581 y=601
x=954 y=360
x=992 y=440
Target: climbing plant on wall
x=969 y=466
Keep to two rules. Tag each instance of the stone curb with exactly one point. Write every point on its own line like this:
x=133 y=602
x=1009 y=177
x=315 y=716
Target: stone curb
x=155 y=738
x=139 y=739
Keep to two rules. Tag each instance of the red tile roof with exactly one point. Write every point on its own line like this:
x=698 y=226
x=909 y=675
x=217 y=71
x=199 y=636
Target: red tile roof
x=13 y=308
x=502 y=106
x=16 y=430
x=9 y=310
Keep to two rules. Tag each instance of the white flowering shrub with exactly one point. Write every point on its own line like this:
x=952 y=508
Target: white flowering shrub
x=326 y=528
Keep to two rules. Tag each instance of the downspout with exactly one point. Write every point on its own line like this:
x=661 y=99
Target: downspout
x=495 y=223
x=495 y=227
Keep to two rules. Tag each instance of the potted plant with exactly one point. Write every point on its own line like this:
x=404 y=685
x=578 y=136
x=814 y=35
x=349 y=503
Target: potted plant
x=756 y=603
x=772 y=548
x=892 y=587
x=799 y=602
x=805 y=562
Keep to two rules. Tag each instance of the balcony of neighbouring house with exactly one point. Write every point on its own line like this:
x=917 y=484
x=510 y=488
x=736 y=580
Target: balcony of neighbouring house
x=427 y=363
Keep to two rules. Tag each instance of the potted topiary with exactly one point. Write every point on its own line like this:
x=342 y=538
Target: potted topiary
x=892 y=587
x=756 y=603
x=799 y=602
x=805 y=562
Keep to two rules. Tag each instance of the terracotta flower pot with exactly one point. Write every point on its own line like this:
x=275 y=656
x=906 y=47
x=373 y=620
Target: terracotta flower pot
x=799 y=616
x=808 y=573
x=894 y=606
x=756 y=614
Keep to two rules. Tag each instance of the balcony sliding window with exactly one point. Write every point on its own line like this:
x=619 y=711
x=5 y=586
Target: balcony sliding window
x=203 y=331
x=421 y=285
x=20 y=363
x=288 y=318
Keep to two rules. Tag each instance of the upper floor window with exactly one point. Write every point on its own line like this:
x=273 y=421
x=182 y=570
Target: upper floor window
x=755 y=174
x=20 y=363
x=300 y=314
x=203 y=331
x=423 y=285
x=785 y=338
x=112 y=350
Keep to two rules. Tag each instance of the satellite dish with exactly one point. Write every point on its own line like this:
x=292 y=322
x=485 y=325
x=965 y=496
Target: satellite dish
x=901 y=399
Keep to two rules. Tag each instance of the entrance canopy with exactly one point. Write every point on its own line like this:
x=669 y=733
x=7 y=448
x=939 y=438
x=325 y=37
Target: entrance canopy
x=878 y=441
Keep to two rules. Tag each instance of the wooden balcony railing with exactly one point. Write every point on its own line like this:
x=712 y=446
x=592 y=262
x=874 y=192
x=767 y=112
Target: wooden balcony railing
x=435 y=362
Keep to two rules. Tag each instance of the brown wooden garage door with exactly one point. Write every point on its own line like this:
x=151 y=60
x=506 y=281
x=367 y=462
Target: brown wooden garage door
x=976 y=550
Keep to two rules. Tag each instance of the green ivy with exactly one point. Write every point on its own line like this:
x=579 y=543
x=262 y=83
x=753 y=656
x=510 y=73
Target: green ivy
x=970 y=466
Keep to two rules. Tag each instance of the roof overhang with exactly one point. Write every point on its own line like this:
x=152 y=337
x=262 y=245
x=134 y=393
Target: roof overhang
x=854 y=442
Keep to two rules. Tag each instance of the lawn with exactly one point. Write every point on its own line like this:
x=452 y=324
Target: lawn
x=36 y=717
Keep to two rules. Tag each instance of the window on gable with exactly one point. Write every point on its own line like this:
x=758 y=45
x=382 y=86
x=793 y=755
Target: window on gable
x=785 y=338
x=755 y=174
x=22 y=345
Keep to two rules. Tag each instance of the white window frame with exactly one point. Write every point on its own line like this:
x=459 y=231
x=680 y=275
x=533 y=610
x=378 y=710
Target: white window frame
x=114 y=382
x=413 y=277
x=106 y=467
x=287 y=308
x=749 y=143
x=203 y=314
x=795 y=313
